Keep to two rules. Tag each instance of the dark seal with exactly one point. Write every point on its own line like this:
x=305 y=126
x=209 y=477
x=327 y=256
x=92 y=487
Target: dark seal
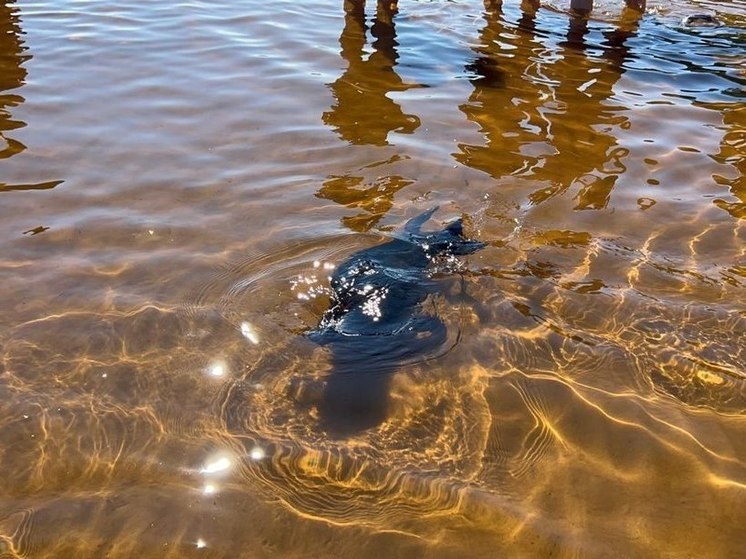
x=375 y=322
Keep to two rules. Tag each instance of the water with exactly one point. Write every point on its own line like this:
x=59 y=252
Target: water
x=179 y=180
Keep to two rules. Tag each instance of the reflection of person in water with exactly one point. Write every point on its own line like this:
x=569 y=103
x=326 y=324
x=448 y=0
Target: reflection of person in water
x=546 y=128
x=362 y=113
x=12 y=76
x=733 y=151
x=374 y=198
x=579 y=6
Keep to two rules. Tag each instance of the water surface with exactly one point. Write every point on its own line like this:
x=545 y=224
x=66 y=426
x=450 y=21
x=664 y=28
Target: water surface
x=178 y=181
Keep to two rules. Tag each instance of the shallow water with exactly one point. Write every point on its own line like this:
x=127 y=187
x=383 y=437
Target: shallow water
x=178 y=181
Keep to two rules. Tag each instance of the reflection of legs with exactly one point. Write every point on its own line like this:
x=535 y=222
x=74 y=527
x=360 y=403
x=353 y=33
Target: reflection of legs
x=576 y=30
x=383 y=28
x=384 y=6
x=580 y=6
x=531 y=5
x=354 y=6
x=387 y=6
x=385 y=11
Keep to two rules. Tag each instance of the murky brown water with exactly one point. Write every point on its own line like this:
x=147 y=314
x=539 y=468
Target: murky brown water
x=177 y=181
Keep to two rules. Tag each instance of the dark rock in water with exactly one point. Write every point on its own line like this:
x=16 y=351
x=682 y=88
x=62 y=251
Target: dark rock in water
x=375 y=322
x=700 y=20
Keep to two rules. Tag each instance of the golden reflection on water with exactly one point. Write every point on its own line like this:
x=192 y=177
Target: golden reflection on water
x=733 y=151
x=367 y=81
x=157 y=396
x=536 y=120
x=12 y=76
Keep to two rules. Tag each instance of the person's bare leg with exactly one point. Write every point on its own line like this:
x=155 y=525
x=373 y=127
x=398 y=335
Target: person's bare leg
x=581 y=6
x=638 y=5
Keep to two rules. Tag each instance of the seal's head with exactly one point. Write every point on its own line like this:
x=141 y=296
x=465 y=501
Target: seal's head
x=451 y=241
x=700 y=20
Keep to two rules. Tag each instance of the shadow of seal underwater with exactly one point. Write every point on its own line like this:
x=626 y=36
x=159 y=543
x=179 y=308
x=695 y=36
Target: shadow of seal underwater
x=375 y=322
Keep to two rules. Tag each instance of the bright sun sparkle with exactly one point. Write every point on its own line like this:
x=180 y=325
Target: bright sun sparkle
x=249 y=333
x=257 y=453
x=216 y=466
x=217 y=370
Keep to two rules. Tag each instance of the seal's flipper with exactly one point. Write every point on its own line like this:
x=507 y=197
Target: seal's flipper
x=414 y=225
